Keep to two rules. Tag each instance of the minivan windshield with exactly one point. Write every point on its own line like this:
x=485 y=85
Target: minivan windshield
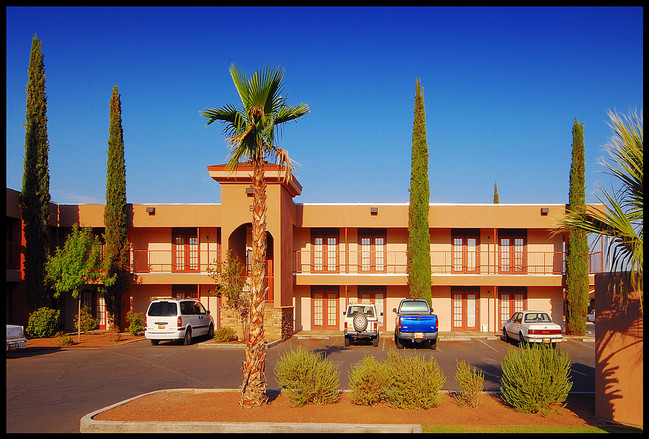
x=163 y=309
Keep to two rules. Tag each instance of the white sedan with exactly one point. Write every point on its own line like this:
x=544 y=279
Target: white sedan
x=532 y=327
x=590 y=317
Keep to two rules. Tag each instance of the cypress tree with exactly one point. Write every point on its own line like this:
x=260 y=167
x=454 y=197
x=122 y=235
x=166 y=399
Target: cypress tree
x=418 y=229
x=577 y=243
x=115 y=213
x=35 y=193
x=496 y=197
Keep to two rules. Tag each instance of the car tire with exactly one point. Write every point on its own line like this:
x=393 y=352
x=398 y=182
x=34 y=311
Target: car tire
x=348 y=341
x=155 y=342
x=398 y=343
x=505 y=336
x=433 y=344
x=521 y=339
x=375 y=342
x=360 y=322
x=210 y=332
x=188 y=337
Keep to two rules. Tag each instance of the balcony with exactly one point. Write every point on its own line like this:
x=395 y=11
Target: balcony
x=442 y=262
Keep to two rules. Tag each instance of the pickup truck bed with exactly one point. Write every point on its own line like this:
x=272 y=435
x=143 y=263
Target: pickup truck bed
x=415 y=322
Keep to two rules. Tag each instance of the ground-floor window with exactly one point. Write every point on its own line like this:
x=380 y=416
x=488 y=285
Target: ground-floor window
x=464 y=301
x=510 y=300
x=101 y=311
x=184 y=292
x=324 y=310
x=375 y=295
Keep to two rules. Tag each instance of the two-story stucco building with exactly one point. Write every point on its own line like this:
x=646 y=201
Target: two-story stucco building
x=488 y=260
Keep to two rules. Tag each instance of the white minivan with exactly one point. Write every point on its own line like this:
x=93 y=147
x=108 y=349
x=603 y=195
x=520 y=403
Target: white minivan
x=177 y=319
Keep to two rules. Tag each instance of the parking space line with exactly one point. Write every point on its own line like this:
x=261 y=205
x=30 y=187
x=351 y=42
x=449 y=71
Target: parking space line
x=490 y=347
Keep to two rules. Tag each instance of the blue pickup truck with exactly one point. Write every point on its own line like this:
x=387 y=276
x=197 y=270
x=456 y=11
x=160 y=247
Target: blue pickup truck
x=415 y=322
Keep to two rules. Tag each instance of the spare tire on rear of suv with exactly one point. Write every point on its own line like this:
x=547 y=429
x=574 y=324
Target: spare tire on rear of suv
x=360 y=322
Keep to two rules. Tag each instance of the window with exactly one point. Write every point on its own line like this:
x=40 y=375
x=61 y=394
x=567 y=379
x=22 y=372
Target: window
x=372 y=251
x=324 y=309
x=512 y=257
x=185 y=250
x=375 y=295
x=465 y=308
x=465 y=251
x=510 y=301
x=325 y=253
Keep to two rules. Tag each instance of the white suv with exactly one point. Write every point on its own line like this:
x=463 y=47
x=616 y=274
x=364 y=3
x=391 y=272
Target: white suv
x=361 y=322
x=177 y=319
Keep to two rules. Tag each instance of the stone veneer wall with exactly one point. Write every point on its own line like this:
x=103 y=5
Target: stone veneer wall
x=278 y=322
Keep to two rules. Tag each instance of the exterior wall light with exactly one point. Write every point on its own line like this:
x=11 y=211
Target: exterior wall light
x=249 y=191
x=374 y=210
x=150 y=210
x=544 y=211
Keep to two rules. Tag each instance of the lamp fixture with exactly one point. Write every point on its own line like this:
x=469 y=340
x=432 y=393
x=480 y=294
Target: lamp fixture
x=374 y=210
x=544 y=211
x=150 y=210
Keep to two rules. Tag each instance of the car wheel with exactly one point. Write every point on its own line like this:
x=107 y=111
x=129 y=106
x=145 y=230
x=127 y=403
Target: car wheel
x=505 y=336
x=375 y=342
x=398 y=342
x=360 y=322
x=210 y=332
x=521 y=339
x=188 y=337
x=433 y=344
x=155 y=342
x=348 y=341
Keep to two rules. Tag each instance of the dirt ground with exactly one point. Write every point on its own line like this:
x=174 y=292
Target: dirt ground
x=224 y=406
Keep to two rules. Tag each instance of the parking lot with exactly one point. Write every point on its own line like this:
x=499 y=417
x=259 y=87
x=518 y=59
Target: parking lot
x=49 y=390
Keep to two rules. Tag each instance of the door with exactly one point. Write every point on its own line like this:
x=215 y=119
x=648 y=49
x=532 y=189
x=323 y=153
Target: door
x=185 y=251
x=465 y=309
x=324 y=309
x=509 y=302
x=377 y=297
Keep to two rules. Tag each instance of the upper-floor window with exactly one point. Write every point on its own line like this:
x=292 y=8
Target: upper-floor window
x=511 y=255
x=465 y=251
x=325 y=251
x=185 y=250
x=372 y=250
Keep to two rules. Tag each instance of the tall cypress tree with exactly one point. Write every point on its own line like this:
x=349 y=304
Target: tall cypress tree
x=577 y=243
x=35 y=193
x=496 y=197
x=115 y=213
x=418 y=230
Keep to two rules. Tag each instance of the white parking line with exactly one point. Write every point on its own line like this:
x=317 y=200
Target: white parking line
x=490 y=347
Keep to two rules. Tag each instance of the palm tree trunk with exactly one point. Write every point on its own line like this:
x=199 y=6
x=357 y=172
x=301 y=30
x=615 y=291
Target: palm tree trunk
x=253 y=392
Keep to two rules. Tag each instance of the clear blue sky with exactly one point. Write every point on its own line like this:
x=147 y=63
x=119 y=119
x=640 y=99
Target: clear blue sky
x=502 y=87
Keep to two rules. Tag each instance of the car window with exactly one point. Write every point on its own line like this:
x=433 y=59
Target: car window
x=187 y=307
x=517 y=317
x=163 y=309
x=198 y=308
x=537 y=317
x=414 y=306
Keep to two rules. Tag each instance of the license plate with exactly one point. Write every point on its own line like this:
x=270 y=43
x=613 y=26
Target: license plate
x=161 y=326
x=419 y=335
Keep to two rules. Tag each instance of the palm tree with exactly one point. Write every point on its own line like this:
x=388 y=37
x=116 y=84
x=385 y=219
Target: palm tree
x=251 y=133
x=622 y=220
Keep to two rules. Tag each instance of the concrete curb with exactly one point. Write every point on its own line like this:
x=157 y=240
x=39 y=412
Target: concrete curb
x=89 y=425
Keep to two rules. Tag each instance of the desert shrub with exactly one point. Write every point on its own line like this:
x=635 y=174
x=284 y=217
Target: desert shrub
x=225 y=333
x=535 y=379
x=368 y=381
x=113 y=334
x=43 y=322
x=88 y=322
x=135 y=322
x=65 y=340
x=470 y=381
x=307 y=378
x=416 y=381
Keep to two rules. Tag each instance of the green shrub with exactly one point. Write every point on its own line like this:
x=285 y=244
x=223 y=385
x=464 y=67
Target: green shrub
x=416 y=381
x=88 y=322
x=368 y=381
x=470 y=381
x=43 y=322
x=535 y=379
x=135 y=322
x=307 y=378
x=113 y=334
x=225 y=333
x=65 y=340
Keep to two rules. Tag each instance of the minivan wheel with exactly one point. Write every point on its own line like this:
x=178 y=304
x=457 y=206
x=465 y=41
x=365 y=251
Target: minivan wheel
x=188 y=337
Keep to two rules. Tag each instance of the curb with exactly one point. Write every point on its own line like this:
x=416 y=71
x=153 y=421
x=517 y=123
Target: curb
x=90 y=425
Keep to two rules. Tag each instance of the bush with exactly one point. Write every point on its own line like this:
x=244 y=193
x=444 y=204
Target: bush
x=136 y=322
x=308 y=378
x=65 y=340
x=43 y=322
x=225 y=333
x=470 y=381
x=368 y=381
x=416 y=381
x=88 y=322
x=535 y=379
x=113 y=334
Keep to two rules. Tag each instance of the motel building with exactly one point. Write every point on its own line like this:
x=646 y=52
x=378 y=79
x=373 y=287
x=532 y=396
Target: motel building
x=487 y=260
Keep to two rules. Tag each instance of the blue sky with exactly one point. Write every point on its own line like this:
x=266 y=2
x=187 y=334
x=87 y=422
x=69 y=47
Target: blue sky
x=502 y=87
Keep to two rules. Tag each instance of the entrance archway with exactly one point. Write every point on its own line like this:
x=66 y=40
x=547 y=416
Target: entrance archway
x=240 y=242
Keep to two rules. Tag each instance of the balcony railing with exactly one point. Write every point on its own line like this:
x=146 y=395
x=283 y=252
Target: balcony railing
x=396 y=262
